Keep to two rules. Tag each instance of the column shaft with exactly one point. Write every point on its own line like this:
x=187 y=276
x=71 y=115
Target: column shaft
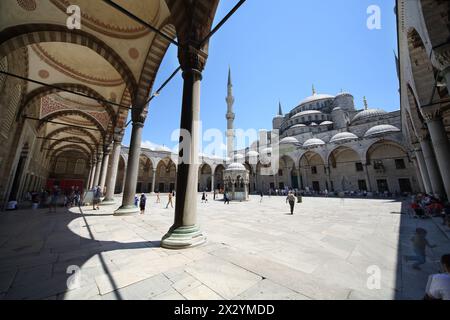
x=112 y=176
x=153 y=181
x=184 y=232
x=441 y=147
x=423 y=171
x=98 y=170
x=104 y=171
x=94 y=168
x=432 y=167
x=129 y=192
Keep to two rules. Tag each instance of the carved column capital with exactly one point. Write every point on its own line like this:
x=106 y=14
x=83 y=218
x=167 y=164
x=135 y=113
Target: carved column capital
x=432 y=113
x=441 y=56
x=192 y=58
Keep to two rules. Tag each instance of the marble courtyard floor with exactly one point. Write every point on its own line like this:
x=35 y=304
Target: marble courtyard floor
x=254 y=251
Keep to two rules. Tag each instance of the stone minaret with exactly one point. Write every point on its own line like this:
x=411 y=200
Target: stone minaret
x=230 y=117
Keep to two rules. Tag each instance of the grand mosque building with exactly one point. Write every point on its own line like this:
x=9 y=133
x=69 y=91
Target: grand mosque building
x=325 y=145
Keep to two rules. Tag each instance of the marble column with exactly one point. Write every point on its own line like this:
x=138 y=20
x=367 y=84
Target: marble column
x=112 y=176
x=185 y=232
x=299 y=181
x=212 y=182
x=129 y=192
x=423 y=171
x=288 y=171
x=98 y=169
x=369 y=183
x=432 y=166
x=94 y=168
x=441 y=146
x=153 y=180
x=104 y=170
x=88 y=182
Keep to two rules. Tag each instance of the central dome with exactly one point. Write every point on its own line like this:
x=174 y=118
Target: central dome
x=316 y=97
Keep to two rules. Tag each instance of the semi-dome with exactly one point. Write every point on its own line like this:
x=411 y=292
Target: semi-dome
x=289 y=140
x=369 y=113
x=381 y=130
x=326 y=123
x=306 y=113
x=314 y=142
x=343 y=137
x=316 y=97
x=236 y=167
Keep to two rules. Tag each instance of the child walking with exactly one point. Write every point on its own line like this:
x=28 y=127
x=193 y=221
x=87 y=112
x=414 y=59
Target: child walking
x=420 y=243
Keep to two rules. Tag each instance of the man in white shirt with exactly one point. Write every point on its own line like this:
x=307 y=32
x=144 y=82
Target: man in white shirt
x=438 y=287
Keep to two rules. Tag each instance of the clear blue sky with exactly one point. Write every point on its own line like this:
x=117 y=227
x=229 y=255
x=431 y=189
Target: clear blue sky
x=276 y=51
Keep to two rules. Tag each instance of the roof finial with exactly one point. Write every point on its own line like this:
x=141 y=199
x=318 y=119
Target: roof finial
x=229 y=76
x=366 y=105
x=280 y=111
x=314 y=90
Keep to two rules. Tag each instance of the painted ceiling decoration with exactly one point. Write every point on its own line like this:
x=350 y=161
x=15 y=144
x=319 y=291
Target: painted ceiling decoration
x=49 y=105
x=68 y=70
x=106 y=26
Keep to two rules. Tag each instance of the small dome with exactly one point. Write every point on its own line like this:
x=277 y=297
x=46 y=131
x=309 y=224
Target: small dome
x=163 y=148
x=289 y=140
x=301 y=125
x=314 y=142
x=316 y=97
x=336 y=109
x=305 y=113
x=313 y=124
x=367 y=114
x=252 y=153
x=237 y=167
x=266 y=151
x=326 y=123
x=343 y=137
x=239 y=156
x=381 y=130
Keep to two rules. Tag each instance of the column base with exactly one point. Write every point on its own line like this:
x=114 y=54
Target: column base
x=127 y=211
x=108 y=202
x=183 y=238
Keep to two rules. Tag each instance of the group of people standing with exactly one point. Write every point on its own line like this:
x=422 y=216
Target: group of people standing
x=141 y=201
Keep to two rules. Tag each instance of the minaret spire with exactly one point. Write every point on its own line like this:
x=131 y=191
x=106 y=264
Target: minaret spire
x=313 y=90
x=366 y=105
x=230 y=117
x=280 y=111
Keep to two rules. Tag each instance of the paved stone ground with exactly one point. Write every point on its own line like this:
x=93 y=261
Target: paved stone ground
x=255 y=251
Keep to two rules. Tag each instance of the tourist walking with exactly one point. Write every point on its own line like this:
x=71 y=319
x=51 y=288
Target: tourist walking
x=291 y=199
x=262 y=196
x=97 y=196
x=438 y=287
x=158 y=198
x=420 y=243
x=170 y=201
x=226 y=199
x=204 y=197
x=142 y=202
